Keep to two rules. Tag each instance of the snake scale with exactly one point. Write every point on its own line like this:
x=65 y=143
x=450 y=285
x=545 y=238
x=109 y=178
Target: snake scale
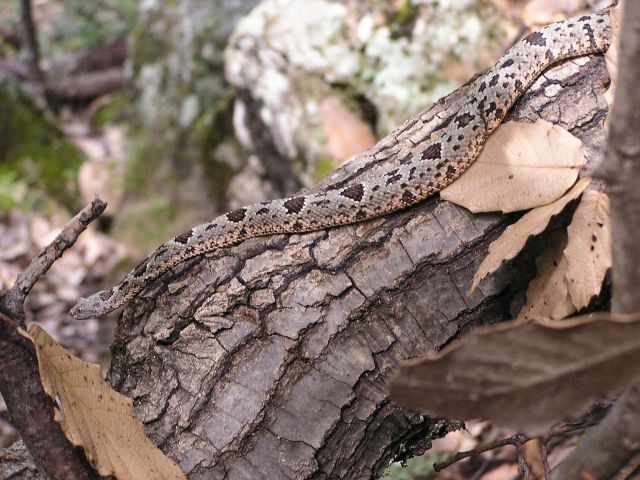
x=430 y=156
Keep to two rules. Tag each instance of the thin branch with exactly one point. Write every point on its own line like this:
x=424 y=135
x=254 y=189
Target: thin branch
x=12 y=303
x=516 y=440
x=30 y=34
x=30 y=408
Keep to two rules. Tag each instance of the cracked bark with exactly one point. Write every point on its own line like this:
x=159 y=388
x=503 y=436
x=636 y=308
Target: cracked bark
x=285 y=378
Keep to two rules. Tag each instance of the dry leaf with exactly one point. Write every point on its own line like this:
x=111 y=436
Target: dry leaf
x=522 y=166
x=548 y=293
x=346 y=133
x=96 y=417
x=513 y=239
x=588 y=251
x=523 y=376
x=571 y=271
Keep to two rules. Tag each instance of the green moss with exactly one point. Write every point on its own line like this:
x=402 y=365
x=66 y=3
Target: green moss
x=147 y=223
x=111 y=112
x=6 y=49
x=147 y=48
x=323 y=167
x=142 y=163
x=9 y=191
x=88 y=24
x=34 y=150
x=417 y=467
x=404 y=19
x=406 y=466
x=210 y=130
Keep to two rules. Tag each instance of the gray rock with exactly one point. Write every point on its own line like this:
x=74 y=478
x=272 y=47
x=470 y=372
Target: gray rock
x=385 y=63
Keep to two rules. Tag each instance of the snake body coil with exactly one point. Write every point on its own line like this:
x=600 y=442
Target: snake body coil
x=431 y=152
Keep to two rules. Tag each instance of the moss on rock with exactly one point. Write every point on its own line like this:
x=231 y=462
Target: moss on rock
x=180 y=115
x=33 y=150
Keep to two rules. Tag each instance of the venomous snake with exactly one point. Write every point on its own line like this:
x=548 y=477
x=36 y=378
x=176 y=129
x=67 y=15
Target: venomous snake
x=429 y=155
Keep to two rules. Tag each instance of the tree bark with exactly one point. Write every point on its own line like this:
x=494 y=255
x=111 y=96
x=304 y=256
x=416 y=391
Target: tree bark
x=86 y=86
x=624 y=167
x=606 y=449
x=286 y=378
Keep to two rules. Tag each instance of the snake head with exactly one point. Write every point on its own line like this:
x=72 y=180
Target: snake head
x=82 y=310
x=93 y=306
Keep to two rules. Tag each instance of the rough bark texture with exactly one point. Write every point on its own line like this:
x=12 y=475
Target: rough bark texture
x=624 y=167
x=288 y=381
x=15 y=462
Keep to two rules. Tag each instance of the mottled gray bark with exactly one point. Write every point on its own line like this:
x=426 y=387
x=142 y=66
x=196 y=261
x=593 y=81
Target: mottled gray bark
x=287 y=379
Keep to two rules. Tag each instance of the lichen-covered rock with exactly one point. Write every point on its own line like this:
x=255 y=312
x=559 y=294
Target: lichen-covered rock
x=384 y=60
x=182 y=138
x=34 y=153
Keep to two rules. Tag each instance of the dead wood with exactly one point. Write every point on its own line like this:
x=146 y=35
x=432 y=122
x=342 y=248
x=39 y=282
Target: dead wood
x=288 y=378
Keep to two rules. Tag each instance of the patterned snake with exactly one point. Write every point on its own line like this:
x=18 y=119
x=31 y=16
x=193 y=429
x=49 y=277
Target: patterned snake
x=429 y=156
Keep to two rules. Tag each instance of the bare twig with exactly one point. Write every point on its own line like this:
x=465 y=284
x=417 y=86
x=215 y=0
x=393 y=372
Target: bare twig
x=30 y=409
x=30 y=34
x=518 y=441
x=515 y=440
x=12 y=303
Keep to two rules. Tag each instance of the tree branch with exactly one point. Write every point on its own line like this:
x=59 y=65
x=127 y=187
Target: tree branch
x=607 y=448
x=515 y=441
x=12 y=303
x=85 y=86
x=29 y=32
x=30 y=408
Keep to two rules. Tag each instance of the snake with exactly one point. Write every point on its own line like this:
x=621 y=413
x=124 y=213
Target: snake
x=429 y=152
